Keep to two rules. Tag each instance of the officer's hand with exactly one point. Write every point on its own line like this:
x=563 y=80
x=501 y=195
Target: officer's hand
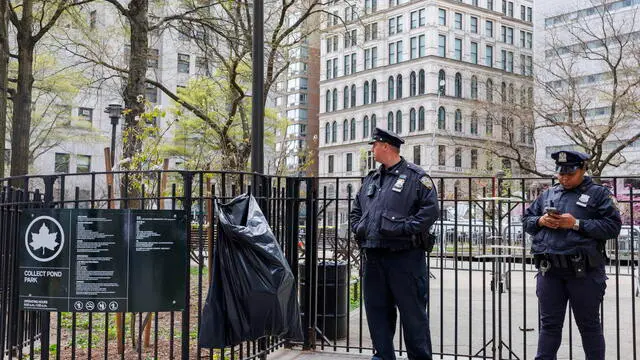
x=565 y=221
x=547 y=220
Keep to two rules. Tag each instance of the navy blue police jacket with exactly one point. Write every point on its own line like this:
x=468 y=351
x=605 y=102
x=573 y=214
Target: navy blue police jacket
x=392 y=212
x=592 y=204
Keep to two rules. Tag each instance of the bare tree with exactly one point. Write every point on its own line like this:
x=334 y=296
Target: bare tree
x=588 y=84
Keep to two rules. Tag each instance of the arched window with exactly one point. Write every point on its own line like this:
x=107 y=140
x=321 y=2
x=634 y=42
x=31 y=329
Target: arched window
x=523 y=96
x=327 y=133
x=353 y=95
x=345 y=130
x=327 y=101
x=374 y=123
x=412 y=120
x=442 y=82
x=399 y=87
x=421 y=82
x=458 y=85
x=335 y=100
x=334 y=131
x=374 y=91
x=503 y=92
x=398 y=122
x=391 y=85
x=458 y=120
x=474 y=123
x=489 y=90
x=421 y=118
x=442 y=118
x=345 y=97
x=530 y=96
x=365 y=93
x=488 y=126
x=365 y=127
x=511 y=94
x=390 y=121
x=412 y=84
x=353 y=129
x=474 y=87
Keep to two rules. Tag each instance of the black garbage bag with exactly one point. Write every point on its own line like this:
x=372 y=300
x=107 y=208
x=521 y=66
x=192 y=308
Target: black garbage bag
x=253 y=292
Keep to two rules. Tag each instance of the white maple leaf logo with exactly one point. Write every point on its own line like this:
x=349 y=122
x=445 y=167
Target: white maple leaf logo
x=44 y=239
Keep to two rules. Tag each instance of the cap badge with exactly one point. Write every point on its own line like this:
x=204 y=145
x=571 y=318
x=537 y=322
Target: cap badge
x=562 y=157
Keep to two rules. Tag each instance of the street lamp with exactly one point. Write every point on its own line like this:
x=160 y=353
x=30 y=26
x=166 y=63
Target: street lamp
x=441 y=85
x=114 y=111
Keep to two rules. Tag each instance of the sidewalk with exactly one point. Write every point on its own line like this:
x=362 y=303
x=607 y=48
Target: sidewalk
x=286 y=354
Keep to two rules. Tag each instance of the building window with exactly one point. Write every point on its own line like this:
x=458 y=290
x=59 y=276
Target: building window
x=365 y=93
x=153 y=59
x=422 y=50
x=488 y=59
x=346 y=65
x=334 y=132
x=474 y=87
x=345 y=130
x=442 y=155
x=183 y=63
x=83 y=163
x=488 y=28
x=349 y=161
x=442 y=46
x=489 y=90
x=390 y=121
x=416 y=154
x=421 y=118
x=399 y=87
x=474 y=24
x=441 y=82
x=327 y=133
x=474 y=159
x=458 y=49
x=457 y=21
x=85 y=114
x=490 y=5
x=201 y=65
x=371 y=162
x=474 y=123
x=421 y=82
x=458 y=157
x=352 y=129
x=392 y=53
x=474 y=52
x=442 y=17
x=458 y=120
x=488 y=126
x=61 y=164
x=151 y=93
x=353 y=95
x=335 y=100
x=374 y=91
x=390 y=88
x=442 y=118
x=412 y=84
x=374 y=123
x=413 y=47
x=365 y=127
x=330 y=164
x=93 y=16
x=458 y=85
x=412 y=120
x=327 y=101
x=398 y=122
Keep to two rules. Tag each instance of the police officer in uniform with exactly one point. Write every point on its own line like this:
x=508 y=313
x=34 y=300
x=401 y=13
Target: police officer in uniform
x=570 y=223
x=395 y=206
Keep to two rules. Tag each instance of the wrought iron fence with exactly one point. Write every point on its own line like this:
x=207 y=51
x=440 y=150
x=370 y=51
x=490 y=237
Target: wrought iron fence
x=479 y=306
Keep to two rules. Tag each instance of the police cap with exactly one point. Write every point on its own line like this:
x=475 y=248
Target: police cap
x=568 y=161
x=386 y=136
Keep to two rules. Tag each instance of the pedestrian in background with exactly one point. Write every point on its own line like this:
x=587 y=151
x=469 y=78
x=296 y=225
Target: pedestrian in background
x=392 y=213
x=570 y=223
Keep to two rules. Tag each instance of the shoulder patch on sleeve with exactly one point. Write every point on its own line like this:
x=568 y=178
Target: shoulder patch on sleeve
x=426 y=182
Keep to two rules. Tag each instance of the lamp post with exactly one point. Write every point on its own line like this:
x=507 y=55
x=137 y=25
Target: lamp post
x=114 y=111
x=441 y=85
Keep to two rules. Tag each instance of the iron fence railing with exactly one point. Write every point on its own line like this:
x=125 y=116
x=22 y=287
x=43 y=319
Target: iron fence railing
x=479 y=306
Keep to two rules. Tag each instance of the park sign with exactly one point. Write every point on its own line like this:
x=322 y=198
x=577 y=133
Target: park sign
x=102 y=260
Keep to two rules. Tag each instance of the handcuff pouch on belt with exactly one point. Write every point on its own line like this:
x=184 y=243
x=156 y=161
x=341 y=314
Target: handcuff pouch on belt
x=577 y=262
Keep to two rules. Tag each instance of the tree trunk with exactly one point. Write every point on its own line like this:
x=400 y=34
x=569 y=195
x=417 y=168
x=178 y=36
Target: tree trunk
x=4 y=81
x=21 y=122
x=139 y=41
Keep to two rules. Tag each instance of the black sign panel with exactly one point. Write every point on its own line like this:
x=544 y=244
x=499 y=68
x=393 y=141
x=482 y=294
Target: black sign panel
x=94 y=260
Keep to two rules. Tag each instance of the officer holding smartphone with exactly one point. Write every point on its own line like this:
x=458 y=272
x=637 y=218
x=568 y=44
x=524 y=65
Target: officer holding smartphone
x=570 y=224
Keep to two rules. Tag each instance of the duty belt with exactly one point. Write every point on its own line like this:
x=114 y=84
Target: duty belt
x=577 y=262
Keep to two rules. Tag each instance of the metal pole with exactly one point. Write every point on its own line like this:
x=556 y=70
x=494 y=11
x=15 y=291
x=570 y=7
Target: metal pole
x=257 y=109
x=114 y=123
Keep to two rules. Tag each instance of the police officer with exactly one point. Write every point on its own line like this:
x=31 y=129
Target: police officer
x=570 y=223
x=396 y=204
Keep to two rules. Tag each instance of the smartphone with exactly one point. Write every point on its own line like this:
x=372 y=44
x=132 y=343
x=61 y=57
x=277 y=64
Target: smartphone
x=552 y=211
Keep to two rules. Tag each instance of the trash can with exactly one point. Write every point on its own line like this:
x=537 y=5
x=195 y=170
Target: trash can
x=333 y=298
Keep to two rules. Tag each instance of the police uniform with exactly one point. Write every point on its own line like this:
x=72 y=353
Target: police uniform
x=571 y=261
x=392 y=209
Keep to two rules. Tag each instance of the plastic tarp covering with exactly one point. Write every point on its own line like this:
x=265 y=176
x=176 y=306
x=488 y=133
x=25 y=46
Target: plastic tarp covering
x=253 y=291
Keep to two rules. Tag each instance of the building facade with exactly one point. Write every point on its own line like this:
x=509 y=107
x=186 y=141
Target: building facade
x=453 y=78
x=571 y=58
